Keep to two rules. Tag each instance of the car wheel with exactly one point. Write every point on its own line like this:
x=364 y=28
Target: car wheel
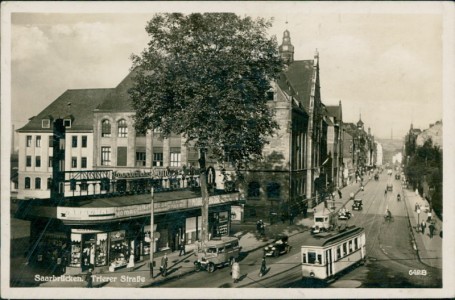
x=211 y=268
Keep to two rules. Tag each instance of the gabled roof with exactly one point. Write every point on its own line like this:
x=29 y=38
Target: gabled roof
x=297 y=81
x=83 y=102
x=119 y=99
x=333 y=111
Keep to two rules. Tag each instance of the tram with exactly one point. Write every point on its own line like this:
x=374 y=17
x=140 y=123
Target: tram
x=326 y=254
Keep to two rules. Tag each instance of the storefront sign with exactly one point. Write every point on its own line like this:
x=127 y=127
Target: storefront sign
x=119 y=212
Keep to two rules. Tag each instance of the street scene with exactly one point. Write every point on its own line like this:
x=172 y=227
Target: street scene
x=275 y=149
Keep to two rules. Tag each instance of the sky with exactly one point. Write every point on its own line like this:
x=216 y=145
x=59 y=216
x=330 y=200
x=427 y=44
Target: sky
x=385 y=65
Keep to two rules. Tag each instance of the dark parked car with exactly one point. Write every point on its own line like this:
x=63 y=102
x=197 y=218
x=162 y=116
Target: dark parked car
x=278 y=247
x=357 y=205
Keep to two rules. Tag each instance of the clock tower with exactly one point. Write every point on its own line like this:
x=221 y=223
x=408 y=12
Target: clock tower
x=286 y=49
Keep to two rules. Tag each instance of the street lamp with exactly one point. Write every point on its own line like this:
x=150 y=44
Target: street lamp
x=152 y=234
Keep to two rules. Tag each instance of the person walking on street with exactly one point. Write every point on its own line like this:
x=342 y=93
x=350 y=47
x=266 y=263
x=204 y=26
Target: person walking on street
x=431 y=228
x=340 y=194
x=263 y=267
x=235 y=271
x=429 y=216
x=182 y=247
x=163 y=267
x=291 y=218
x=423 y=226
x=89 y=278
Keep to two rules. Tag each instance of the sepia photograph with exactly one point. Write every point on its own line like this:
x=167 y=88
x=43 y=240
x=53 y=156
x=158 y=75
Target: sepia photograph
x=275 y=150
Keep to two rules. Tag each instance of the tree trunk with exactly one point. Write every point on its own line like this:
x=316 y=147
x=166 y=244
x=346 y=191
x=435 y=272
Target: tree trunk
x=205 y=197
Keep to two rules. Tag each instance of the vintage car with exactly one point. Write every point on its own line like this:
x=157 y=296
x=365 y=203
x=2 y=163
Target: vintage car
x=357 y=205
x=322 y=222
x=278 y=247
x=344 y=214
x=217 y=253
x=390 y=187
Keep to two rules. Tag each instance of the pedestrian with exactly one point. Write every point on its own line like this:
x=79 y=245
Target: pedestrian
x=291 y=218
x=339 y=194
x=89 y=278
x=182 y=247
x=163 y=267
x=431 y=228
x=423 y=225
x=262 y=229
x=429 y=216
x=235 y=271
x=258 y=225
x=263 y=267
x=361 y=187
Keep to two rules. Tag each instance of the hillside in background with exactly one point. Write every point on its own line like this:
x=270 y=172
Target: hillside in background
x=390 y=148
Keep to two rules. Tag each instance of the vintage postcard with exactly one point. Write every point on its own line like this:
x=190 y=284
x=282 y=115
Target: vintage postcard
x=277 y=149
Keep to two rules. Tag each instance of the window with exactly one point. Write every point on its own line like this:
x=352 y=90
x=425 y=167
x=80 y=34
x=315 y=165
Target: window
x=345 y=249
x=270 y=95
x=49 y=183
x=38 y=141
x=311 y=257
x=254 y=189
x=175 y=159
x=84 y=141
x=356 y=243
x=350 y=246
x=28 y=162
x=122 y=128
x=157 y=158
x=84 y=186
x=29 y=141
x=338 y=252
x=46 y=123
x=105 y=128
x=105 y=156
x=273 y=190
x=27 y=183
x=121 y=156
x=38 y=161
x=37 y=183
x=304 y=258
x=73 y=162
x=51 y=141
x=140 y=159
x=83 y=162
x=50 y=162
x=74 y=141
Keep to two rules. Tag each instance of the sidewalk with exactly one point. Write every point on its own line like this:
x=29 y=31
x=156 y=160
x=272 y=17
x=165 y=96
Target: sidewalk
x=429 y=250
x=139 y=275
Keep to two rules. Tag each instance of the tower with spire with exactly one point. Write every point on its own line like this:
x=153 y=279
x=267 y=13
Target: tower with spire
x=360 y=123
x=286 y=49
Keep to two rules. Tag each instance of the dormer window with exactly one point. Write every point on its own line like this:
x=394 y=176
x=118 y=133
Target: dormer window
x=45 y=123
x=67 y=123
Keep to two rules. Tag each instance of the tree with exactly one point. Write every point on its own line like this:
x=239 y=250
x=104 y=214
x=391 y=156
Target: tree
x=205 y=76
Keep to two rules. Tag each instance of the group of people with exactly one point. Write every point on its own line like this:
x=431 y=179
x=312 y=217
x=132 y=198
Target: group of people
x=235 y=270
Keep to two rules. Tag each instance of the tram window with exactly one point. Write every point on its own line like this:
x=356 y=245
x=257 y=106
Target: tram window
x=221 y=250
x=304 y=258
x=345 y=250
x=311 y=257
x=318 y=219
x=338 y=252
x=319 y=259
x=350 y=246
x=356 y=243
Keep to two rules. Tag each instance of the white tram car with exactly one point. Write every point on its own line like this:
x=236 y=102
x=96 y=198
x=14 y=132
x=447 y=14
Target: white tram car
x=324 y=255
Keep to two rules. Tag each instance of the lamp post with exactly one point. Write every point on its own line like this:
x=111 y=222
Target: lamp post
x=152 y=234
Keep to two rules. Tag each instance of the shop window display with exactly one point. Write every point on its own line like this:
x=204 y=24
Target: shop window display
x=75 y=259
x=88 y=251
x=101 y=249
x=119 y=252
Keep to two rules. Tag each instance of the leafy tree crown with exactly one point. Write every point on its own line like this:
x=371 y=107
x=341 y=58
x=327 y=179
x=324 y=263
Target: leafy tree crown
x=205 y=76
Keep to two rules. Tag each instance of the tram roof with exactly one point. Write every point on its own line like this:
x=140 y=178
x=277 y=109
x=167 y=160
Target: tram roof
x=328 y=238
